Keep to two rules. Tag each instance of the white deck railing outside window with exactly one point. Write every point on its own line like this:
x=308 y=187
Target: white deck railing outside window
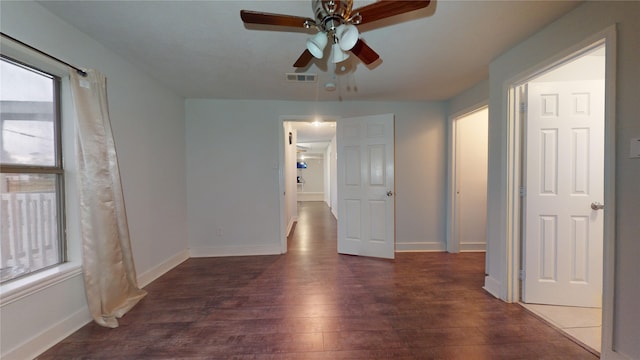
x=29 y=240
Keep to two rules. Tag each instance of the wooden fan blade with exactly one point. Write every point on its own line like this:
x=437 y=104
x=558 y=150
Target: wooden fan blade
x=387 y=8
x=364 y=52
x=255 y=17
x=303 y=60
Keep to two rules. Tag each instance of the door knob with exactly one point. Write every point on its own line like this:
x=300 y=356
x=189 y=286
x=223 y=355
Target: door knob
x=597 y=206
x=389 y=193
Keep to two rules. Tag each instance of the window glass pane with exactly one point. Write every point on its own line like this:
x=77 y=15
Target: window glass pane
x=29 y=217
x=26 y=116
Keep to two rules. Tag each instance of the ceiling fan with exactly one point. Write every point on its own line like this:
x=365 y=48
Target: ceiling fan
x=336 y=21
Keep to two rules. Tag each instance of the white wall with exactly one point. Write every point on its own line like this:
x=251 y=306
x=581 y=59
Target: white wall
x=333 y=169
x=289 y=168
x=148 y=128
x=584 y=21
x=326 y=196
x=313 y=176
x=232 y=171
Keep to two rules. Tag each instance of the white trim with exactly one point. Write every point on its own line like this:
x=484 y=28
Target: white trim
x=451 y=235
x=34 y=283
x=292 y=221
x=421 y=247
x=247 y=250
x=452 y=241
x=282 y=187
x=609 y=235
x=514 y=156
x=492 y=286
x=607 y=37
x=29 y=56
x=473 y=247
x=155 y=272
x=44 y=340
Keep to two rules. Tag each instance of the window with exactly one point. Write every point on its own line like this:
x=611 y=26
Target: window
x=31 y=176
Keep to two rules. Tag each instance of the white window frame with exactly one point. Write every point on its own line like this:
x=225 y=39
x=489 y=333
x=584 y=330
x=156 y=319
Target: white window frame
x=56 y=169
x=21 y=288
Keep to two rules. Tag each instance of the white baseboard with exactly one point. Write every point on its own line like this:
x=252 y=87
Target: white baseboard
x=492 y=286
x=473 y=247
x=334 y=212
x=155 y=272
x=49 y=337
x=56 y=333
x=248 y=250
x=420 y=247
x=292 y=221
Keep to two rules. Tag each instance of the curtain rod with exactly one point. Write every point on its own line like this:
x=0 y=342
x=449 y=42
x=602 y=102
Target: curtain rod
x=80 y=71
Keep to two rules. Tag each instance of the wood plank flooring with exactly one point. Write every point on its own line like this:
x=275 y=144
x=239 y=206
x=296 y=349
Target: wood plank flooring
x=313 y=303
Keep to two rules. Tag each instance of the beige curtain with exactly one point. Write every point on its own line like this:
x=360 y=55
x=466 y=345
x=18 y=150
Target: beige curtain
x=109 y=273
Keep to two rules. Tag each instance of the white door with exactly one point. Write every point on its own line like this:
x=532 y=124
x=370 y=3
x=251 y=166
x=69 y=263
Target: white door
x=471 y=141
x=564 y=176
x=365 y=186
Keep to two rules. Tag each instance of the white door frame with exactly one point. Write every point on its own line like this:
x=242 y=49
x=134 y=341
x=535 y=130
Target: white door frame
x=515 y=163
x=453 y=242
x=282 y=170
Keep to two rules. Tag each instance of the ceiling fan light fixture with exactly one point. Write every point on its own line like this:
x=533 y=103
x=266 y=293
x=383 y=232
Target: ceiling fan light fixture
x=347 y=35
x=337 y=54
x=316 y=44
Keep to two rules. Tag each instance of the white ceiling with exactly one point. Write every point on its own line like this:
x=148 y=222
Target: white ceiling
x=310 y=132
x=201 y=49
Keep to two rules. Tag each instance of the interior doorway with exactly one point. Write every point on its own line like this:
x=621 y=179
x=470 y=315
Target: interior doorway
x=560 y=116
x=309 y=167
x=365 y=194
x=468 y=181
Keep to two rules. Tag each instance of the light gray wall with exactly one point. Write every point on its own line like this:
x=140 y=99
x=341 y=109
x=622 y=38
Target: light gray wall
x=326 y=196
x=333 y=168
x=585 y=21
x=232 y=171
x=148 y=128
x=313 y=176
x=289 y=172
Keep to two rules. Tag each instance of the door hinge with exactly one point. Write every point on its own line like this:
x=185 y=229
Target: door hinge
x=522 y=274
x=523 y=107
x=523 y=191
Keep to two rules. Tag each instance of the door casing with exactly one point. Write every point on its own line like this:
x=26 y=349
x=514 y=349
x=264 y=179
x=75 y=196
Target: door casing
x=514 y=171
x=453 y=176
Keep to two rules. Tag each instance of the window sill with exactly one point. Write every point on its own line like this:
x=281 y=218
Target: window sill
x=29 y=285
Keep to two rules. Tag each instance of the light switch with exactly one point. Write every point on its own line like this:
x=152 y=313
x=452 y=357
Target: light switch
x=635 y=148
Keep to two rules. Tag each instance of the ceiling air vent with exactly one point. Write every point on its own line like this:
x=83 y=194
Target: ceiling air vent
x=301 y=77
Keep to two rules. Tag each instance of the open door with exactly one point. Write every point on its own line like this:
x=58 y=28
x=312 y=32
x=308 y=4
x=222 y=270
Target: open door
x=366 y=206
x=564 y=188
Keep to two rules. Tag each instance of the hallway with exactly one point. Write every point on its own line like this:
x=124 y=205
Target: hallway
x=313 y=303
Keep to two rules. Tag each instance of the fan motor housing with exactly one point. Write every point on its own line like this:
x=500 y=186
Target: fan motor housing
x=325 y=10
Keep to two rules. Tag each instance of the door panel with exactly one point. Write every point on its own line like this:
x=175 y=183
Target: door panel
x=365 y=186
x=564 y=175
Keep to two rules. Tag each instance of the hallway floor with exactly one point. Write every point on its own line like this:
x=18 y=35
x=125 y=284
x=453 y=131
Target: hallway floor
x=313 y=303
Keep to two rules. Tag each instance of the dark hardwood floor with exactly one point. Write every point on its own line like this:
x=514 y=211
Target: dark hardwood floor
x=315 y=304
